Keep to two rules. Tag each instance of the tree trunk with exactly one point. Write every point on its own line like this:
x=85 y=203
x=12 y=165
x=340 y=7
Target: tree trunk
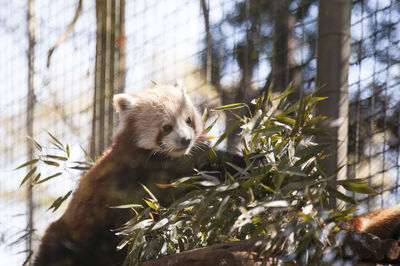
x=285 y=69
x=110 y=69
x=30 y=110
x=333 y=51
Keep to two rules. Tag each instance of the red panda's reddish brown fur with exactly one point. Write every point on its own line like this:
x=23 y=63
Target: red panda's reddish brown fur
x=384 y=223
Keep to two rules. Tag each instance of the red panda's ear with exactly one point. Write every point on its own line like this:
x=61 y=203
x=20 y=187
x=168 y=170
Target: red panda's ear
x=123 y=102
x=179 y=84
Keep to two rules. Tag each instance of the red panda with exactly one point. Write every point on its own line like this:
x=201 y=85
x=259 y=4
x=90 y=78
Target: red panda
x=384 y=223
x=156 y=127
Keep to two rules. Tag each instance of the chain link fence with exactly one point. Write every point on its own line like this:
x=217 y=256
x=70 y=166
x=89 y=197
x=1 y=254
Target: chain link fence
x=225 y=51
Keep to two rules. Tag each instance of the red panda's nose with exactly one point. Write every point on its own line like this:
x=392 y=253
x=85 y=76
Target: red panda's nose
x=185 y=141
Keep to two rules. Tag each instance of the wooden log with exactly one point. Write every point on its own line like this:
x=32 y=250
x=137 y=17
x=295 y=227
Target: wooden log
x=238 y=253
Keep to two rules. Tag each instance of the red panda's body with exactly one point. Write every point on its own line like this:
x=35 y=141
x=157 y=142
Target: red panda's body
x=384 y=223
x=155 y=126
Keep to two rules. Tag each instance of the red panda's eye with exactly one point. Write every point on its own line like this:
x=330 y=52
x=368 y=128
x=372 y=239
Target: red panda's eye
x=188 y=121
x=167 y=128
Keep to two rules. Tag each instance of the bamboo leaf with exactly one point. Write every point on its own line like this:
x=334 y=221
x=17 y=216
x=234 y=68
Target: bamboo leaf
x=79 y=167
x=33 y=161
x=149 y=192
x=160 y=224
x=152 y=205
x=222 y=207
x=28 y=175
x=227 y=187
x=127 y=206
x=67 y=150
x=37 y=145
x=226 y=133
x=287 y=121
x=269 y=131
x=49 y=177
x=28 y=258
x=61 y=158
x=311 y=150
x=317 y=99
x=356 y=187
x=239 y=169
x=286 y=93
x=57 y=203
x=230 y=107
x=48 y=162
x=339 y=195
x=36 y=178
x=57 y=143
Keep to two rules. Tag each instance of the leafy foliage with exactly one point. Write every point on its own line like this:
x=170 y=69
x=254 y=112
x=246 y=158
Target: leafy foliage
x=280 y=196
x=57 y=160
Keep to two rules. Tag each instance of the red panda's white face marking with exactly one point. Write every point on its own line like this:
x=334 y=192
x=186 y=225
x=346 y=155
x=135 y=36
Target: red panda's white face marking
x=164 y=118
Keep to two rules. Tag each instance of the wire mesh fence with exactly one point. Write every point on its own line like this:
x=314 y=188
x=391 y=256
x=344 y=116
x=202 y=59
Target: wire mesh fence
x=375 y=102
x=225 y=51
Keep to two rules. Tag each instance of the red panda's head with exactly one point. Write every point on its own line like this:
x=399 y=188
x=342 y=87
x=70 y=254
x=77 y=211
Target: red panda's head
x=163 y=119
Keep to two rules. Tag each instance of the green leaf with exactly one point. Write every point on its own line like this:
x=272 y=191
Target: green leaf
x=356 y=187
x=80 y=167
x=226 y=133
x=212 y=179
x=36 y=178
x=287 y=121
x=277 y=180
x=276 y=204
x=260 y=102
x=57 y=203
x=28 y=175
x=206 y=115
x=292 y=171
x=269 y=131
x=223 y=206
x=61 y=158
x=315 y=132
x=149 y=192
x=160 y=224
x=227 y=187
x=37 y=145
x=127 y=206
x=317 y=99
x=300 y=115
x=67 y=150
x=251 y=182
x=299 y=185
x=189 y=195
x=152 y=205
x=230 y=107
x=344 y=213
x=28 y=258
x=286 y=93
x=48 y=162
x=49 y=177
x=239 y=169
x=267 y=188
x=339 y=195
x=23 y=237
x=211 y=125
x=314 y=121
x=33 y=161
x=57 y=143
x=311 y=150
